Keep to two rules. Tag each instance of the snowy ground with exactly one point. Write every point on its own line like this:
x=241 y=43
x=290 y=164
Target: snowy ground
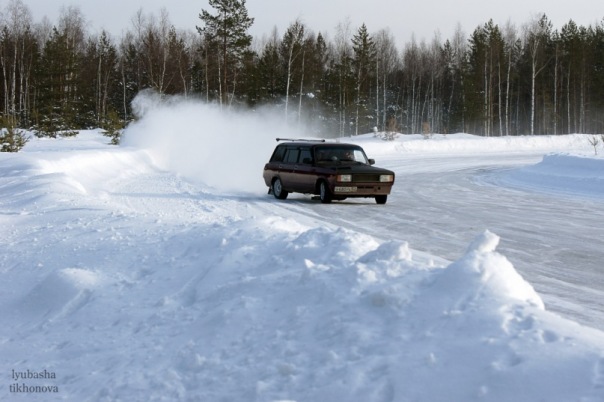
x=137 y=273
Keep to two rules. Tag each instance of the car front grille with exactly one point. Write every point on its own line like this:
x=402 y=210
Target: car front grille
x=366 y=178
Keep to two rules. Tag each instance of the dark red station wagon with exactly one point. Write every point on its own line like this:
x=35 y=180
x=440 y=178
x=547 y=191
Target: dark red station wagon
x=333 y=171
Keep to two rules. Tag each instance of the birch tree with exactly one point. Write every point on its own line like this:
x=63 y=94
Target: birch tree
x=343 y=72
x=15 y=57
x=386 y=61
x=512 y=52
x=412 y=83
x=536 y=35
x=292 y=49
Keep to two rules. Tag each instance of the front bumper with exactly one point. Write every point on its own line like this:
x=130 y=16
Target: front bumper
x=361 y=190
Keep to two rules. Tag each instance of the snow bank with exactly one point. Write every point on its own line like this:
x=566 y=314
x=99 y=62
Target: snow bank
x=90 y=169
x=573 y=172
x=37 y=182
x=466 y=143
x=561 y=173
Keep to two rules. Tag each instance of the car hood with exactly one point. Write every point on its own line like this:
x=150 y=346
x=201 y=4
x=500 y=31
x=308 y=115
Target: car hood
x=359 y=169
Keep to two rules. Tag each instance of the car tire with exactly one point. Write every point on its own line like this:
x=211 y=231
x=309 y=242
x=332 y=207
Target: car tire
x=278 y=191
x=324 y=193
x=381 y=199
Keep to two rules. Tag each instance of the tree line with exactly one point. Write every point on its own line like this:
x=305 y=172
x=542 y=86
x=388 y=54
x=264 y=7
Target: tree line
x=508 y=80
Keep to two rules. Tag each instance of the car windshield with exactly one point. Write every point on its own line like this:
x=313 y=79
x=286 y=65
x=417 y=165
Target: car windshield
x=340 y=154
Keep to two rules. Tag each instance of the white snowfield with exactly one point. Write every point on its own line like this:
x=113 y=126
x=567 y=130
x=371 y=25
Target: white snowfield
x=126 y=275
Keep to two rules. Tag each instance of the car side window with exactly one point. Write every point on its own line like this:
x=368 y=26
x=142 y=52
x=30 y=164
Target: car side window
x=321 y=155
x=291 y=156
x=305 y=154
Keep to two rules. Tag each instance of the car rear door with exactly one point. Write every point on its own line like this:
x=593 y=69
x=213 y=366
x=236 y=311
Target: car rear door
x=287 y=168
x=304 y=172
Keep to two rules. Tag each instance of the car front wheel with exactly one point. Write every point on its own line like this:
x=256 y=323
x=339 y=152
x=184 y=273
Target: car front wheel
x=278 y=191
x=381 y=199
x=324 y=193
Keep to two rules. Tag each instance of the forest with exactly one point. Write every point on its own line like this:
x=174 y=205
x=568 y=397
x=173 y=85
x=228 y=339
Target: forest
x=523 y=79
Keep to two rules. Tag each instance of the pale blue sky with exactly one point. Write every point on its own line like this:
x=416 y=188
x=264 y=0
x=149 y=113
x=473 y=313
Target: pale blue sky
x=404 y=18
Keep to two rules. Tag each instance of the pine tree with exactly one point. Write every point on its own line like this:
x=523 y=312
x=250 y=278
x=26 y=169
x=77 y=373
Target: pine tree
x=364 y=55
x=54 y=76
x=226 y=32
x=12 y=139
x=270 y=71
x=98 y=78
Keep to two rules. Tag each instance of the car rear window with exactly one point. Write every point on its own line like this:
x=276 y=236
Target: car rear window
x=278 y=154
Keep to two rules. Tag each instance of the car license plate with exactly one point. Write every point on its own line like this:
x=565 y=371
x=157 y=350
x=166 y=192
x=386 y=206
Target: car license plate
x=345 y=189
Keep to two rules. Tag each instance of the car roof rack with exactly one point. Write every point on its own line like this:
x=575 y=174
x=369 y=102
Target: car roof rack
x=298 y=140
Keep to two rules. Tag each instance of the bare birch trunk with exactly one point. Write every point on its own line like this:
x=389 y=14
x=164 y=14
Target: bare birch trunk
x=301 y=89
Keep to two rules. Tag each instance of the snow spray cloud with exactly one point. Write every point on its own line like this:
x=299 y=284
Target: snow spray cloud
x=222 y=148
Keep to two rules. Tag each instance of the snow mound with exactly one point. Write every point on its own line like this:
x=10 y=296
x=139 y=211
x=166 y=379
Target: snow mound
x=482 y=274
x=485 y=243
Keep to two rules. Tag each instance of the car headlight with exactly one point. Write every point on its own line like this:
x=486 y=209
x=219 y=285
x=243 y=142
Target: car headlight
x=386 y=178
x=344 y=178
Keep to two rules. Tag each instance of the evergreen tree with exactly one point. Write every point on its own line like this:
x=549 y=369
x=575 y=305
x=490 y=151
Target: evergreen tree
x=99 y=79
x=364 y=56
x=597 y=82
x=57 y=79
x=485 y=78
x=12 y=139
x=55 y=73
x=270 y=72
x=226 y=32
x=130 y=77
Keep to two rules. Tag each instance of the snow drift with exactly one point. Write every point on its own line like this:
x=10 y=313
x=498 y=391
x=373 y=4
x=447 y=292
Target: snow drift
x=130 y=282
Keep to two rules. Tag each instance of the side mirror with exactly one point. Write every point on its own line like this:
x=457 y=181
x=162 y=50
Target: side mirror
x=371 y=161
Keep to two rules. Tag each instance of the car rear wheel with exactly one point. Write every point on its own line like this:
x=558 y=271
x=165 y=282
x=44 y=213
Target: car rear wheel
x=324 y=193
x=278 y=191
x=381 y=199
